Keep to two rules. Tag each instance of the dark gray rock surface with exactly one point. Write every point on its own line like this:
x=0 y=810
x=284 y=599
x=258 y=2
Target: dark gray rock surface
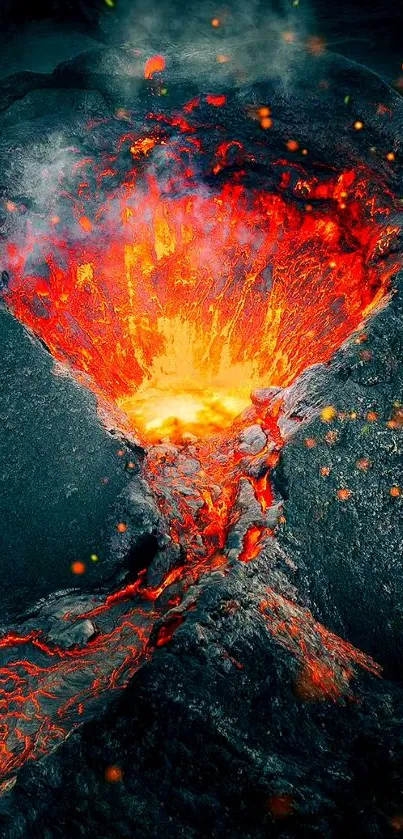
x=55 y=458
x=349 y=553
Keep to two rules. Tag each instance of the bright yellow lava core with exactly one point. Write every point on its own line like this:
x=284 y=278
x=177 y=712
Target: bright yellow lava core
x=176 y=414
x=186 y=391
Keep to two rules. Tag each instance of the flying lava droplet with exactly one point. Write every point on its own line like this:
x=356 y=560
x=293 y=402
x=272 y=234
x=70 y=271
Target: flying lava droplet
x=155 y=64
x=113 y=774
x=78 y=567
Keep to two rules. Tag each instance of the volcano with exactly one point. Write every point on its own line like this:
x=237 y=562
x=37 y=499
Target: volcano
x=205 y=267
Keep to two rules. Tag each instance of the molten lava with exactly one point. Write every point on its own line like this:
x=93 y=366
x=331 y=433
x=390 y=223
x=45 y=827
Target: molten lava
x=173 y=300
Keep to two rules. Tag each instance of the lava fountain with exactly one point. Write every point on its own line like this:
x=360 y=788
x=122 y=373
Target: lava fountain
x=177 y=274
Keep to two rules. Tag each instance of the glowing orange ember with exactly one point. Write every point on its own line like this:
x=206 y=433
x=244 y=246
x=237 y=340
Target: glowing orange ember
x=364 y=464
x=86 y=224
x=266 y=122
x=121 y=527
x=320 y=678
x=343 y=494
x=113 y=774
x=316 y=45
x=316 y=682
x=251 y=546
x=78 y=567
x=217 y=101
x=397 y=822
x=328 y=413
x=281 y=806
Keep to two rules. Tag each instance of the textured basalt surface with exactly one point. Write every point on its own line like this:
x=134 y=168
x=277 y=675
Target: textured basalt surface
x=220 y=733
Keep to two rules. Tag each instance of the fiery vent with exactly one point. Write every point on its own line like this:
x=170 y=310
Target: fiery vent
x=173 y=278
x=173 y=300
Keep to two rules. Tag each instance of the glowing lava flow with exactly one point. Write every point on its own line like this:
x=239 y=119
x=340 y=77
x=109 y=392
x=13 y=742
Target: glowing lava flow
x=173 y=301
x=47 y=691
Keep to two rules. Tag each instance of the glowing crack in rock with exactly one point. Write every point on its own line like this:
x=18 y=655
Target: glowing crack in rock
x=46 y=695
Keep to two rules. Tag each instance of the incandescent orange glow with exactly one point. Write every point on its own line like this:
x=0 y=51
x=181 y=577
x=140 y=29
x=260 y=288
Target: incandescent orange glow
x=179 y=304
x=217 y=101
x=316 y=682
x=281 y=806
x=316 y=45
x=121 y=527
x=328 y=413
x=113 y=774
x=155 y=64
x=251 y=545
x=343 y=494
x=85 y=224
x=142 y=147
x=364 y=464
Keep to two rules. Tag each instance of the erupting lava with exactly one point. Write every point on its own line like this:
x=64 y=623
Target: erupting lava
x=173 y=290
x=173 y=300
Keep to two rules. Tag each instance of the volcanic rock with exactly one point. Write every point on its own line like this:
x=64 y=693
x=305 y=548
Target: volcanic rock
x=252 y=440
